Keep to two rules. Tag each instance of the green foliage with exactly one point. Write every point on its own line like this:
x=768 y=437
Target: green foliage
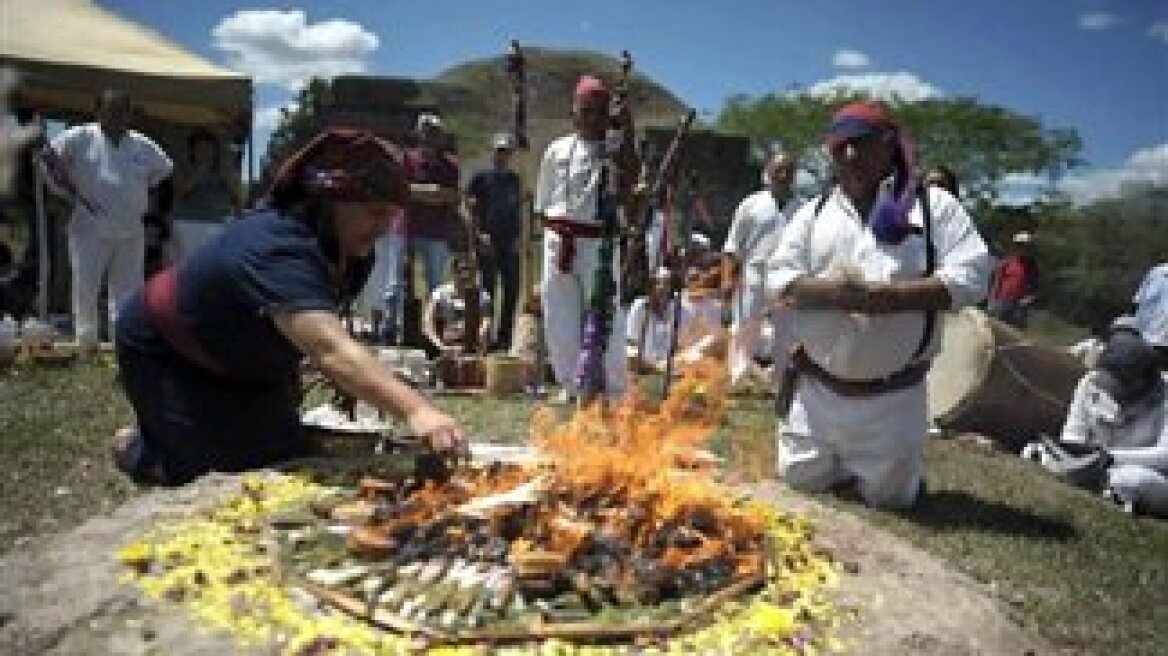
x=1084 y=575
x=296 y=126
x=983 y=143
x=1098 y=260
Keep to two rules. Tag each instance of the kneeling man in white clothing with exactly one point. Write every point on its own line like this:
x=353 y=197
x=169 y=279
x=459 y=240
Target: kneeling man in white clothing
x=867 y=269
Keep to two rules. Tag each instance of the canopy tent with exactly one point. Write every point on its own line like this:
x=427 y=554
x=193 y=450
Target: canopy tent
x=68 y=51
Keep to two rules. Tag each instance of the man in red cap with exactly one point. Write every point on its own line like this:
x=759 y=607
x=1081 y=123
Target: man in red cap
x=566 y=200
x=210 y=350
x=866 y=269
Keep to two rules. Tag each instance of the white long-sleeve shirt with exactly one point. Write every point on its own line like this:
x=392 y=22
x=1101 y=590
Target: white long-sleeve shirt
x=836 y=244
x=756 y=231
x=1134 y=435
x=114 y=178
x=569 y=179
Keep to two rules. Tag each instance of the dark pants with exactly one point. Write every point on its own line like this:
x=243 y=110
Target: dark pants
x=191 y=422
x=502 y=260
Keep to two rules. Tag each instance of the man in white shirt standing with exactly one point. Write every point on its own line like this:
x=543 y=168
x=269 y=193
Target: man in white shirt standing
x=757 y=227
x=111 y=169
x=566 y=201
x=866 y=271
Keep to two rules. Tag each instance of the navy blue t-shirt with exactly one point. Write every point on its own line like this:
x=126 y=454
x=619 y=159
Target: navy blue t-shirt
x=228 y=289
x=497 y=193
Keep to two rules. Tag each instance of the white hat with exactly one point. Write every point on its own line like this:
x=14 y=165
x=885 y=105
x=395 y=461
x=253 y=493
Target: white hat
x=503 y=140
x=662 y=273
x=428 y=119
x=1023 y=237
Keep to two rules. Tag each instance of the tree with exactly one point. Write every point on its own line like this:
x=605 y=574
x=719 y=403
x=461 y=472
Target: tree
x=296 y=126
x=983 y=143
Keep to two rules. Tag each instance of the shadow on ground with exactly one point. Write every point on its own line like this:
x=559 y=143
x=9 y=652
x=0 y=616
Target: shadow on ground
x=955 y=509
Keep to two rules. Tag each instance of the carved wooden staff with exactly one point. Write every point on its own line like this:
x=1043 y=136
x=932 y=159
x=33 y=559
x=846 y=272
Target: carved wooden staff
x=515 y=65
x=677 y=280
x=645 y=203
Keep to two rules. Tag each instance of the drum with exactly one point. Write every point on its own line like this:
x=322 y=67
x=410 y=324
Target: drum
x=989 y=378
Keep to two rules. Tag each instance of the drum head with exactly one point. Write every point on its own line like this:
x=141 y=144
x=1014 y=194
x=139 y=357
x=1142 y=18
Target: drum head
x=961 y=366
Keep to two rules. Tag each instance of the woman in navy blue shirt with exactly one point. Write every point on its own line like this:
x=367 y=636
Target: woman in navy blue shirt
x=210 y=349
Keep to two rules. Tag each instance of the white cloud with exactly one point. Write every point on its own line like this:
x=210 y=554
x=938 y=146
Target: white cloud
x=267 y=118
x=1159 y=31
x=849 y=59
x=1145 y=166
x=1021 y=189
x=902 y=86
x=281 y=47
x=1097 y=20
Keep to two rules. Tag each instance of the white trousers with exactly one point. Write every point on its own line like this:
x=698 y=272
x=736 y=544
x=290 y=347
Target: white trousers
x=189 y=236
x=95 y=252
x=877 y=440
x=565 y=298
x=1144 y=486
x=748 y=314
x=384 y=284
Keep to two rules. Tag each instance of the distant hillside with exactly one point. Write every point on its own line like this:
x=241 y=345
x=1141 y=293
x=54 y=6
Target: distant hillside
x=474 y=99
x=476 y=96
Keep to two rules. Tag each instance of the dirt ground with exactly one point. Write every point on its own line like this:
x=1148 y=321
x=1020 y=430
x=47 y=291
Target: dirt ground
x=63 y=596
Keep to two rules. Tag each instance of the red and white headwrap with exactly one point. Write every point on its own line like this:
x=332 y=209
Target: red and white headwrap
x=347 y=164
x=589 y=86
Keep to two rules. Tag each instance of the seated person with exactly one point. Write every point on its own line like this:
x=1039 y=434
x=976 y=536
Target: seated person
x=1120 y=408
x=650 y=325
x=444 y=318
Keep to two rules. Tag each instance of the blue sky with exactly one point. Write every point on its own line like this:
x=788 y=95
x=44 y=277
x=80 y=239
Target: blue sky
x=1098 y=66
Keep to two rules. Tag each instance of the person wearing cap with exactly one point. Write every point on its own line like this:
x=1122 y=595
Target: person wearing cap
x=1015 y=282
x=493 y=199
x=432 y=216
x=1120 y=407
x=109 y=171
x=1150 y=307
x=566 y=199
x=210 y=350
x=755 y=231
x=865 y=269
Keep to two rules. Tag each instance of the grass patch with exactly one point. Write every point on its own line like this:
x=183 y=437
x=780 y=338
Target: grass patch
x=1085 y=576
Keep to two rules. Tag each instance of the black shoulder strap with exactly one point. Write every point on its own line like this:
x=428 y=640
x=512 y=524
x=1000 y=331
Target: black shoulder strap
x=930 y=266
x=821 y=202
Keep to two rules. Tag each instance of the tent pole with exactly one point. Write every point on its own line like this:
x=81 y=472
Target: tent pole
x=42 y=237
x=250 y=163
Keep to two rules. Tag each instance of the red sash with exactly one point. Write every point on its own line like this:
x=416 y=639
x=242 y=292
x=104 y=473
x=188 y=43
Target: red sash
x=569 y=230
x=161 y=300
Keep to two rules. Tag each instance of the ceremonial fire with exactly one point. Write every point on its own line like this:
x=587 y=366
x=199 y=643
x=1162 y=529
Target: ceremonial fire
x=615 y=530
